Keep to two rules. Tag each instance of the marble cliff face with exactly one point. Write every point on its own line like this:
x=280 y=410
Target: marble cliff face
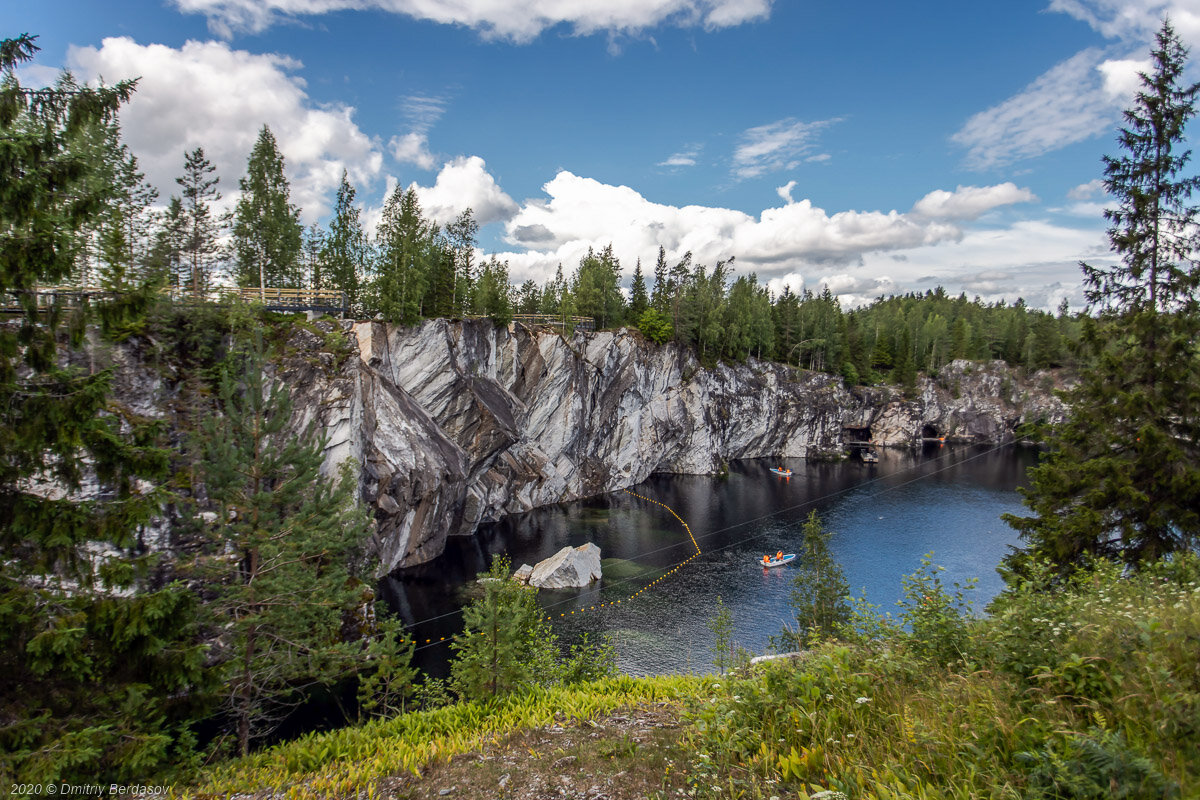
x=458 y=423
x=453 y=424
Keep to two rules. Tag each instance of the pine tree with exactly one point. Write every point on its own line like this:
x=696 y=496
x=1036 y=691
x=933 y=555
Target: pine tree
x=506 y=644
x=166 y=257
x=292 y=531
x=819 y=590
x=97 y=679
x=267 y=235
x=202 y=230
x=1122 y=479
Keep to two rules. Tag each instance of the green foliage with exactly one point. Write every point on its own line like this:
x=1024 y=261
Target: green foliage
x=404 y=254
x=344 y=255
x=279 y=556
x=357 y=761
x=1122 y=479
x=595 y=288
x=655 y=326
x=1096 y=766
x=98 y=680
x=267 y=233
x=938 y=618
x=491 y=295
x=819 y=591
x=505 y=644
x=386 y=682
x=721 y=625
x=1085 y=693
x=189 y=243
x=588 y=661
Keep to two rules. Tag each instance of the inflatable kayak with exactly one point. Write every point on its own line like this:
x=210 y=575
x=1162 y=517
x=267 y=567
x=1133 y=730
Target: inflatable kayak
x=787 y=473
x=777 y=562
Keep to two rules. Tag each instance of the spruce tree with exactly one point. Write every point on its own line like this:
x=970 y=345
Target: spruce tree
x=97 y=678
x=267 y=235
x=639 y=300
x=345 y=253
x=492 y=295
x=201 y=229
x=1122 y=479
x=280 y=554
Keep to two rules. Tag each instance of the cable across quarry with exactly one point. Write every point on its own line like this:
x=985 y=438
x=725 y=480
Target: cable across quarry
x=634 y=595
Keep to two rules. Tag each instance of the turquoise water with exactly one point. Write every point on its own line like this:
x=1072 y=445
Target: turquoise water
x=884 y=518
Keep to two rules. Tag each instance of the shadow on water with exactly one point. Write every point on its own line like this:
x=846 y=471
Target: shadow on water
x=884 y=518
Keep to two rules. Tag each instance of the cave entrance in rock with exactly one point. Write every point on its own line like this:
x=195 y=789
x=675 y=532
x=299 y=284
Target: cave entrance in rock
x=856 y=434
x=931 y=432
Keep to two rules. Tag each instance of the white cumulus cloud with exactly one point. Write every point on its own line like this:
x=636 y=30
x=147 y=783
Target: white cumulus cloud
x=785 y=192
x=514 y=20
x=577 y=213
x=413 y=148
x=206 y=94
x=465 y=183
x=969 y=202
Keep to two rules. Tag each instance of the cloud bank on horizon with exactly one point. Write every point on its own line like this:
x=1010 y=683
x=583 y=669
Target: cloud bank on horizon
x=972 y=238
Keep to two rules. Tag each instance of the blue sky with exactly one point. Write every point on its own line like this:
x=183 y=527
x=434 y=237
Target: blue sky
x=868 y=146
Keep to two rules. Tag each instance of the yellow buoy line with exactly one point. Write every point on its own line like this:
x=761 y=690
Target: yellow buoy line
x=644 y=589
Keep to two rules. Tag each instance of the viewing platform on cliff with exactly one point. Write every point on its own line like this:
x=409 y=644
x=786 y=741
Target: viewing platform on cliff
x=549 y=321
x=328 y=301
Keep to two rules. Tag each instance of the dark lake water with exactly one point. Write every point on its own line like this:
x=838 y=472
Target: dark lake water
x=884 y=518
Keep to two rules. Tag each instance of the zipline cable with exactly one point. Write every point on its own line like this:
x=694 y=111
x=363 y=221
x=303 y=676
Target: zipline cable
x=431 y=641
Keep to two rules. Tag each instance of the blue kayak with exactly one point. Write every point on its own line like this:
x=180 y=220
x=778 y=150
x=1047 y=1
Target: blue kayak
x=787 y=559
x=787 y=473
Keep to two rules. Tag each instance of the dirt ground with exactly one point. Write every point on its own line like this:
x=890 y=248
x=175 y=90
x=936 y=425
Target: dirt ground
x=631 y=754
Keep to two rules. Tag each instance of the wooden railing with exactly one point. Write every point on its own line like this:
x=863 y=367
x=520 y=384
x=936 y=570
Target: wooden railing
x=328 y=300
x=549 y=320
x=331 y=301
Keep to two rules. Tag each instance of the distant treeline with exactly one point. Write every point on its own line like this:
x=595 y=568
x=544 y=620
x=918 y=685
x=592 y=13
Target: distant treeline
x=414 y=269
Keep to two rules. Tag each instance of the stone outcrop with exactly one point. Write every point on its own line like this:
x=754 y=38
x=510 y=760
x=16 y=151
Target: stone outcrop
x=454 y=424
x=569 y=568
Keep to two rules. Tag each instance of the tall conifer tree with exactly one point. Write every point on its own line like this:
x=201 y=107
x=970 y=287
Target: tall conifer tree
x=202 y=229
x=267 y=235
x=1122 y=479
x=345 y=252
x=404 y=246
x=102 y=673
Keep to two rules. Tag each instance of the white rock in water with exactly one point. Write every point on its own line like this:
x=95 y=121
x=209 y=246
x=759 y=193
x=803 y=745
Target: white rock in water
x=571 y=567
x=522 y=574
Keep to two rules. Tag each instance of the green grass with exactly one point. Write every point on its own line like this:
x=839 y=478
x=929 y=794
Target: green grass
x=1088 y=691
x=352 y=761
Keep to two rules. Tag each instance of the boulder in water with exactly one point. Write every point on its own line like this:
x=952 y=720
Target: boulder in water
x=571 y=567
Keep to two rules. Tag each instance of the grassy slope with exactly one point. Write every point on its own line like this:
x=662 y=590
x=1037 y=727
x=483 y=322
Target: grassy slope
x=1091 y=691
